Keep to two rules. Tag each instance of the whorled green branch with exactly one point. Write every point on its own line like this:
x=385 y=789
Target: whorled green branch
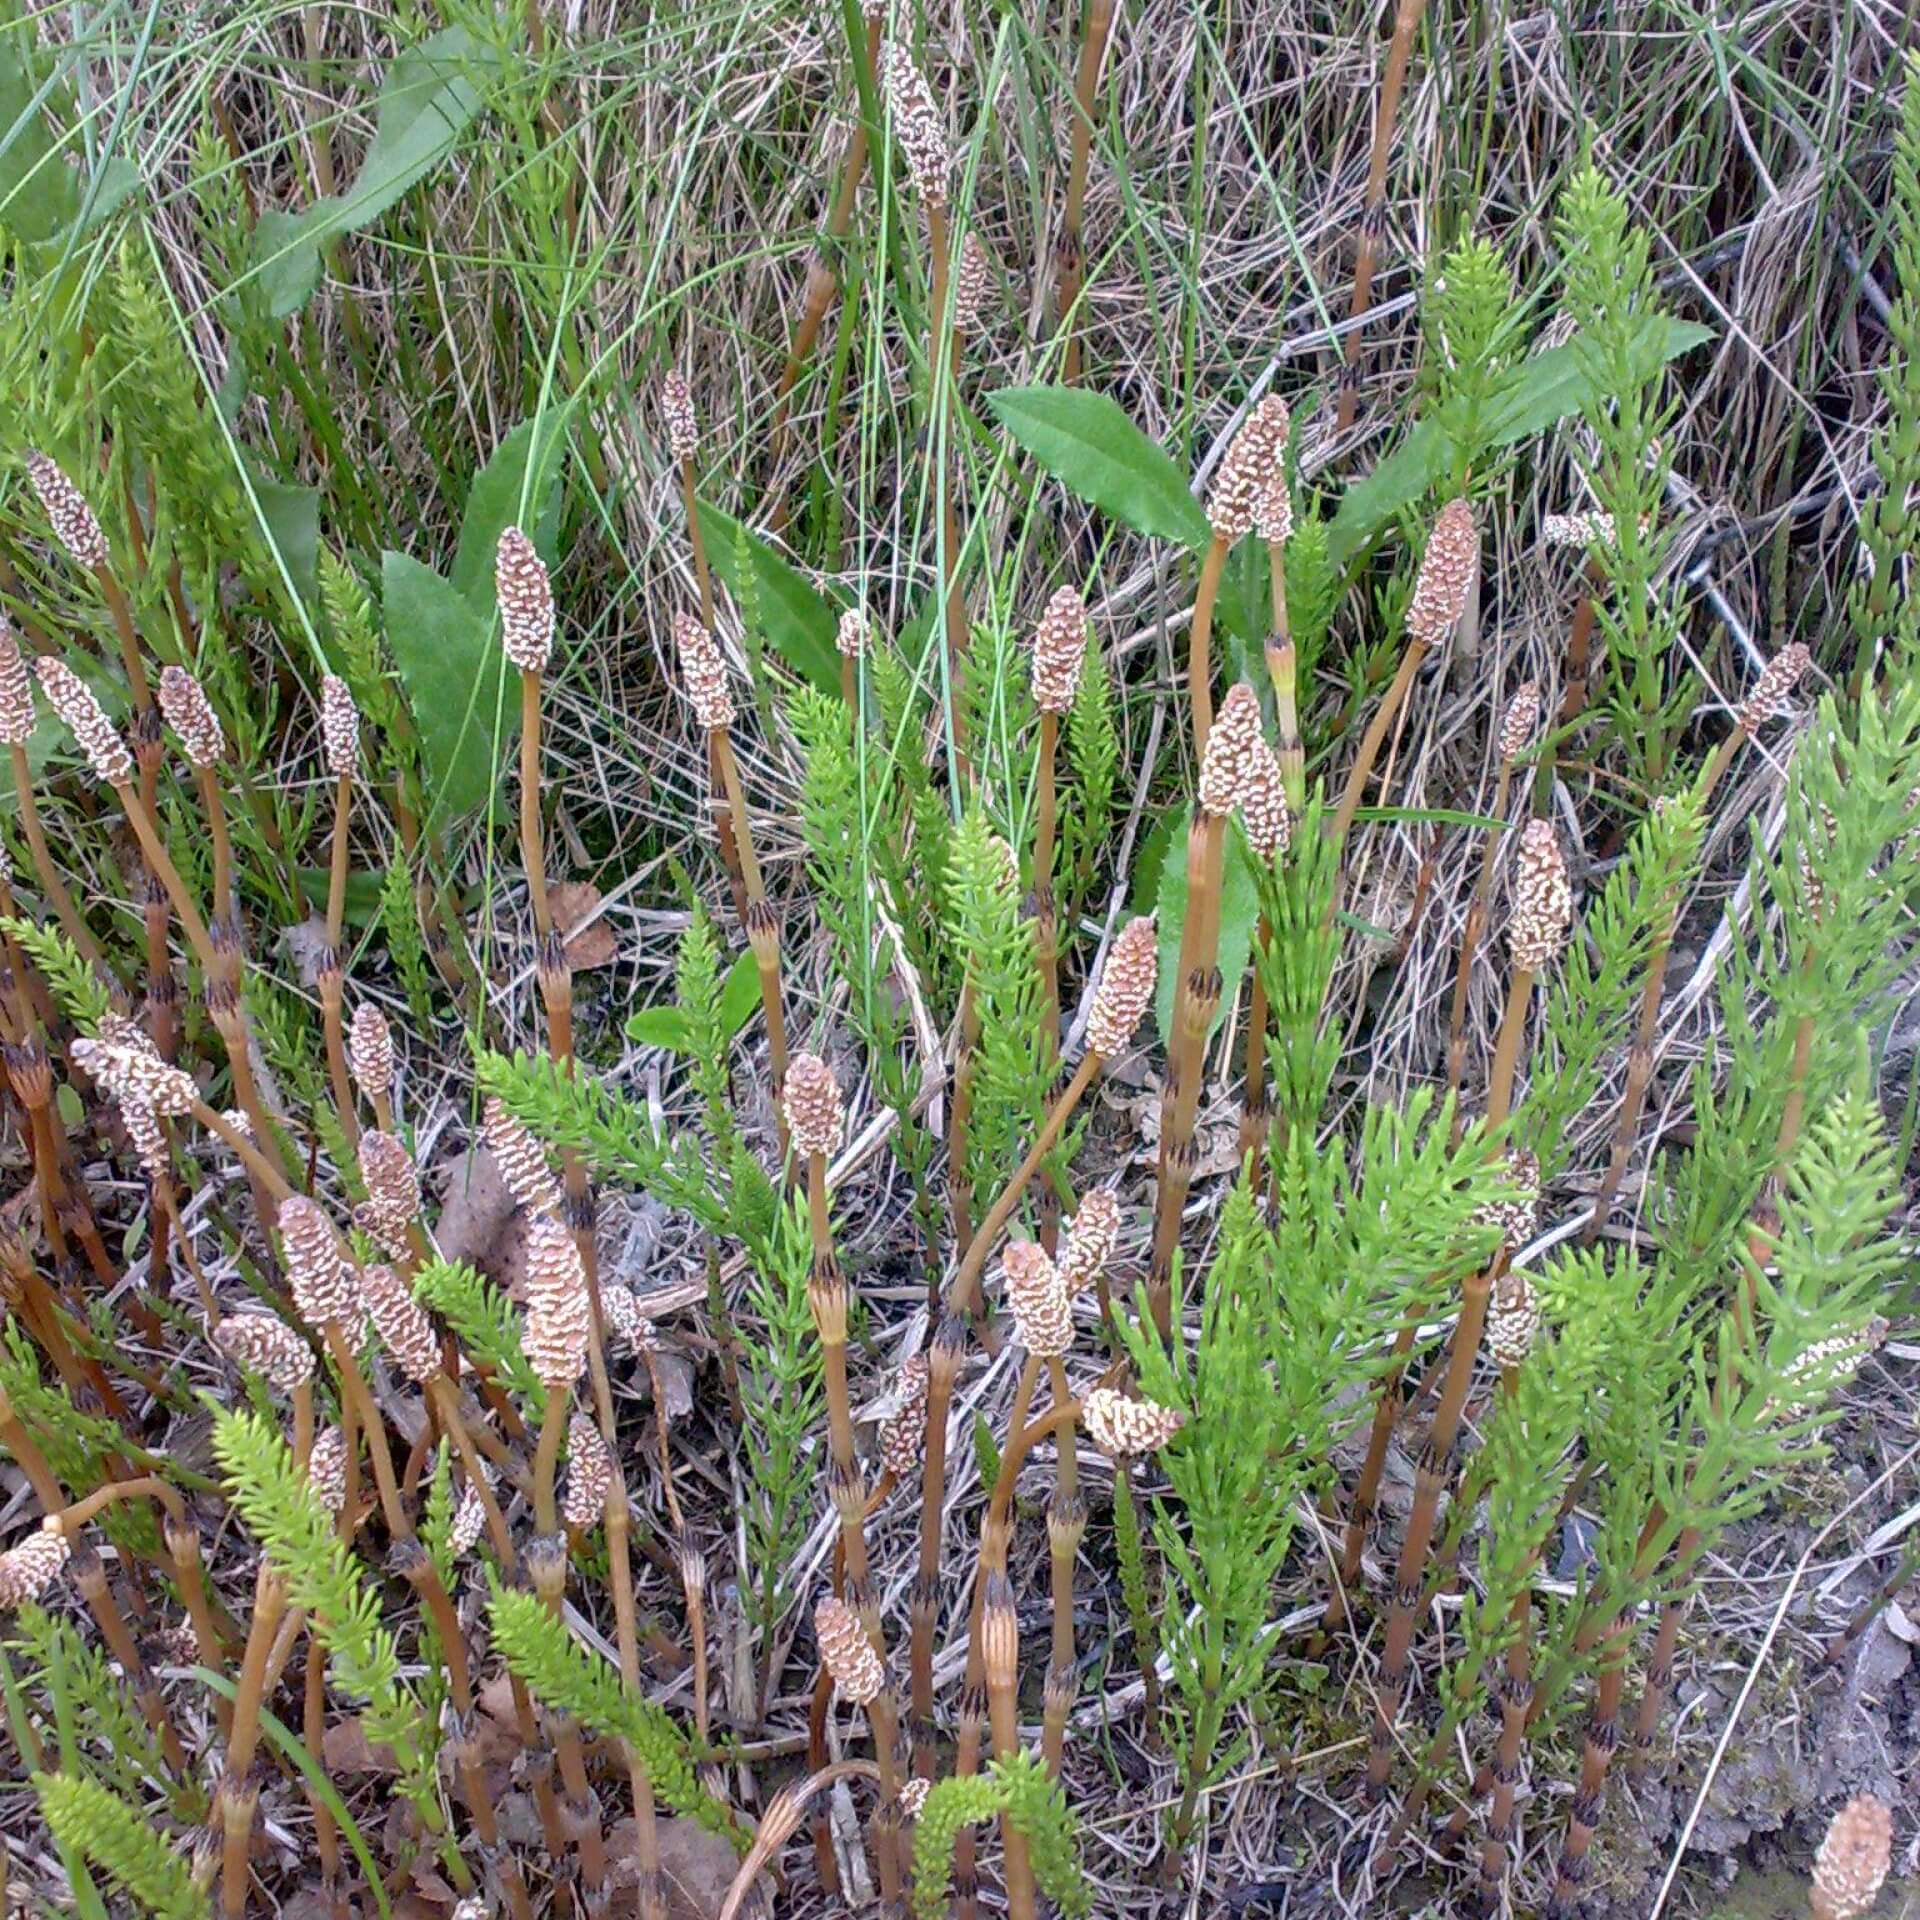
x=540 y=1651
x=1020 y=1787
x=121 y=1842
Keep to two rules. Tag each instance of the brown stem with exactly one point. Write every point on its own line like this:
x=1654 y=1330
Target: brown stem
x=960 y=1116
x=239 y=1791
x=1366 y=1491
x=1506 y=1053
x=1000 y=1631
x=943 y=1366
x=1046 y=941
x=1200 y=643
x=556 y=993
x=331 y=984
x=1255 y=1108
x=1470 y=938
x=352 y=1387
x=1434 y=1471
x=1066 y=1523
x=822 y=282
x=1583 y=1820
x=1070 y=271
x=1640 y=1056
x=1666 y=1640
x=763 y=927
x=963 y=1296
x=827 y=1297
x=1375 y=735
x=1196 y=997
x=1579 y=654
x=1406 y=22
x=46 y=872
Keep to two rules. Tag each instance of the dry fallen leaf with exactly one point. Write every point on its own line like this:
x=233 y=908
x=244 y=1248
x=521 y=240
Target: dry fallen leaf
x=305 y=944
x=346 y=1750
x=697 y=1864
x=588 y=946
x=479 y=1220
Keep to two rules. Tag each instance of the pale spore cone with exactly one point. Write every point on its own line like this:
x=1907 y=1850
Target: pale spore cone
x=1247 y=469
x=1125 y=989
x=525 y=597
x=319 y=1273
x=589 y=1475
x=857 y=1671
x=266 y=1346
x=16 y=690
x=1232 y=751
x=188 y=711
x=1090 y=1239
x=370 y=1051
x=703 y=673
x=1542 y=899
x=917 y=124
x=401 y=1323
x=559 y=1320
x=813 y=1107
x=1446 y=575
x=519 y=1159
x=339 y=727
x=1125 y=1429
x=1854 y=1858
x=29 y=1569
x=1038 y=1300
x=94 y=734
x=75 y=524
x=1059 y=651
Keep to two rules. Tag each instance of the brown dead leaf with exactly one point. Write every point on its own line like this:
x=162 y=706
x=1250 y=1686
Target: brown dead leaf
x=305 y=944
x=479 y=1221
x=347 y=1751
x=697 y=1864
x=573 y=903
x=495 y=1700
x=676 y=1382
x=429 y=1886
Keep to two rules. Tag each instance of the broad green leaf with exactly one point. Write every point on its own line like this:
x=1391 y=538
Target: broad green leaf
x=41 y=196
x=1090 y=446
x=1434 y=816
x=1239 y=909
x=1151 y=859
x=799 y=621
x=292 y=515
x=667 y=1026
x=452 y=668
x=363 y=893
x=427 y=101
x=1538 y=394
x=494 y=500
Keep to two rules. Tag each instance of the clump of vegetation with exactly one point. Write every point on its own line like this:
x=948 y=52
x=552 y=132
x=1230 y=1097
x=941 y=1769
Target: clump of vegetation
x=889 y=1119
